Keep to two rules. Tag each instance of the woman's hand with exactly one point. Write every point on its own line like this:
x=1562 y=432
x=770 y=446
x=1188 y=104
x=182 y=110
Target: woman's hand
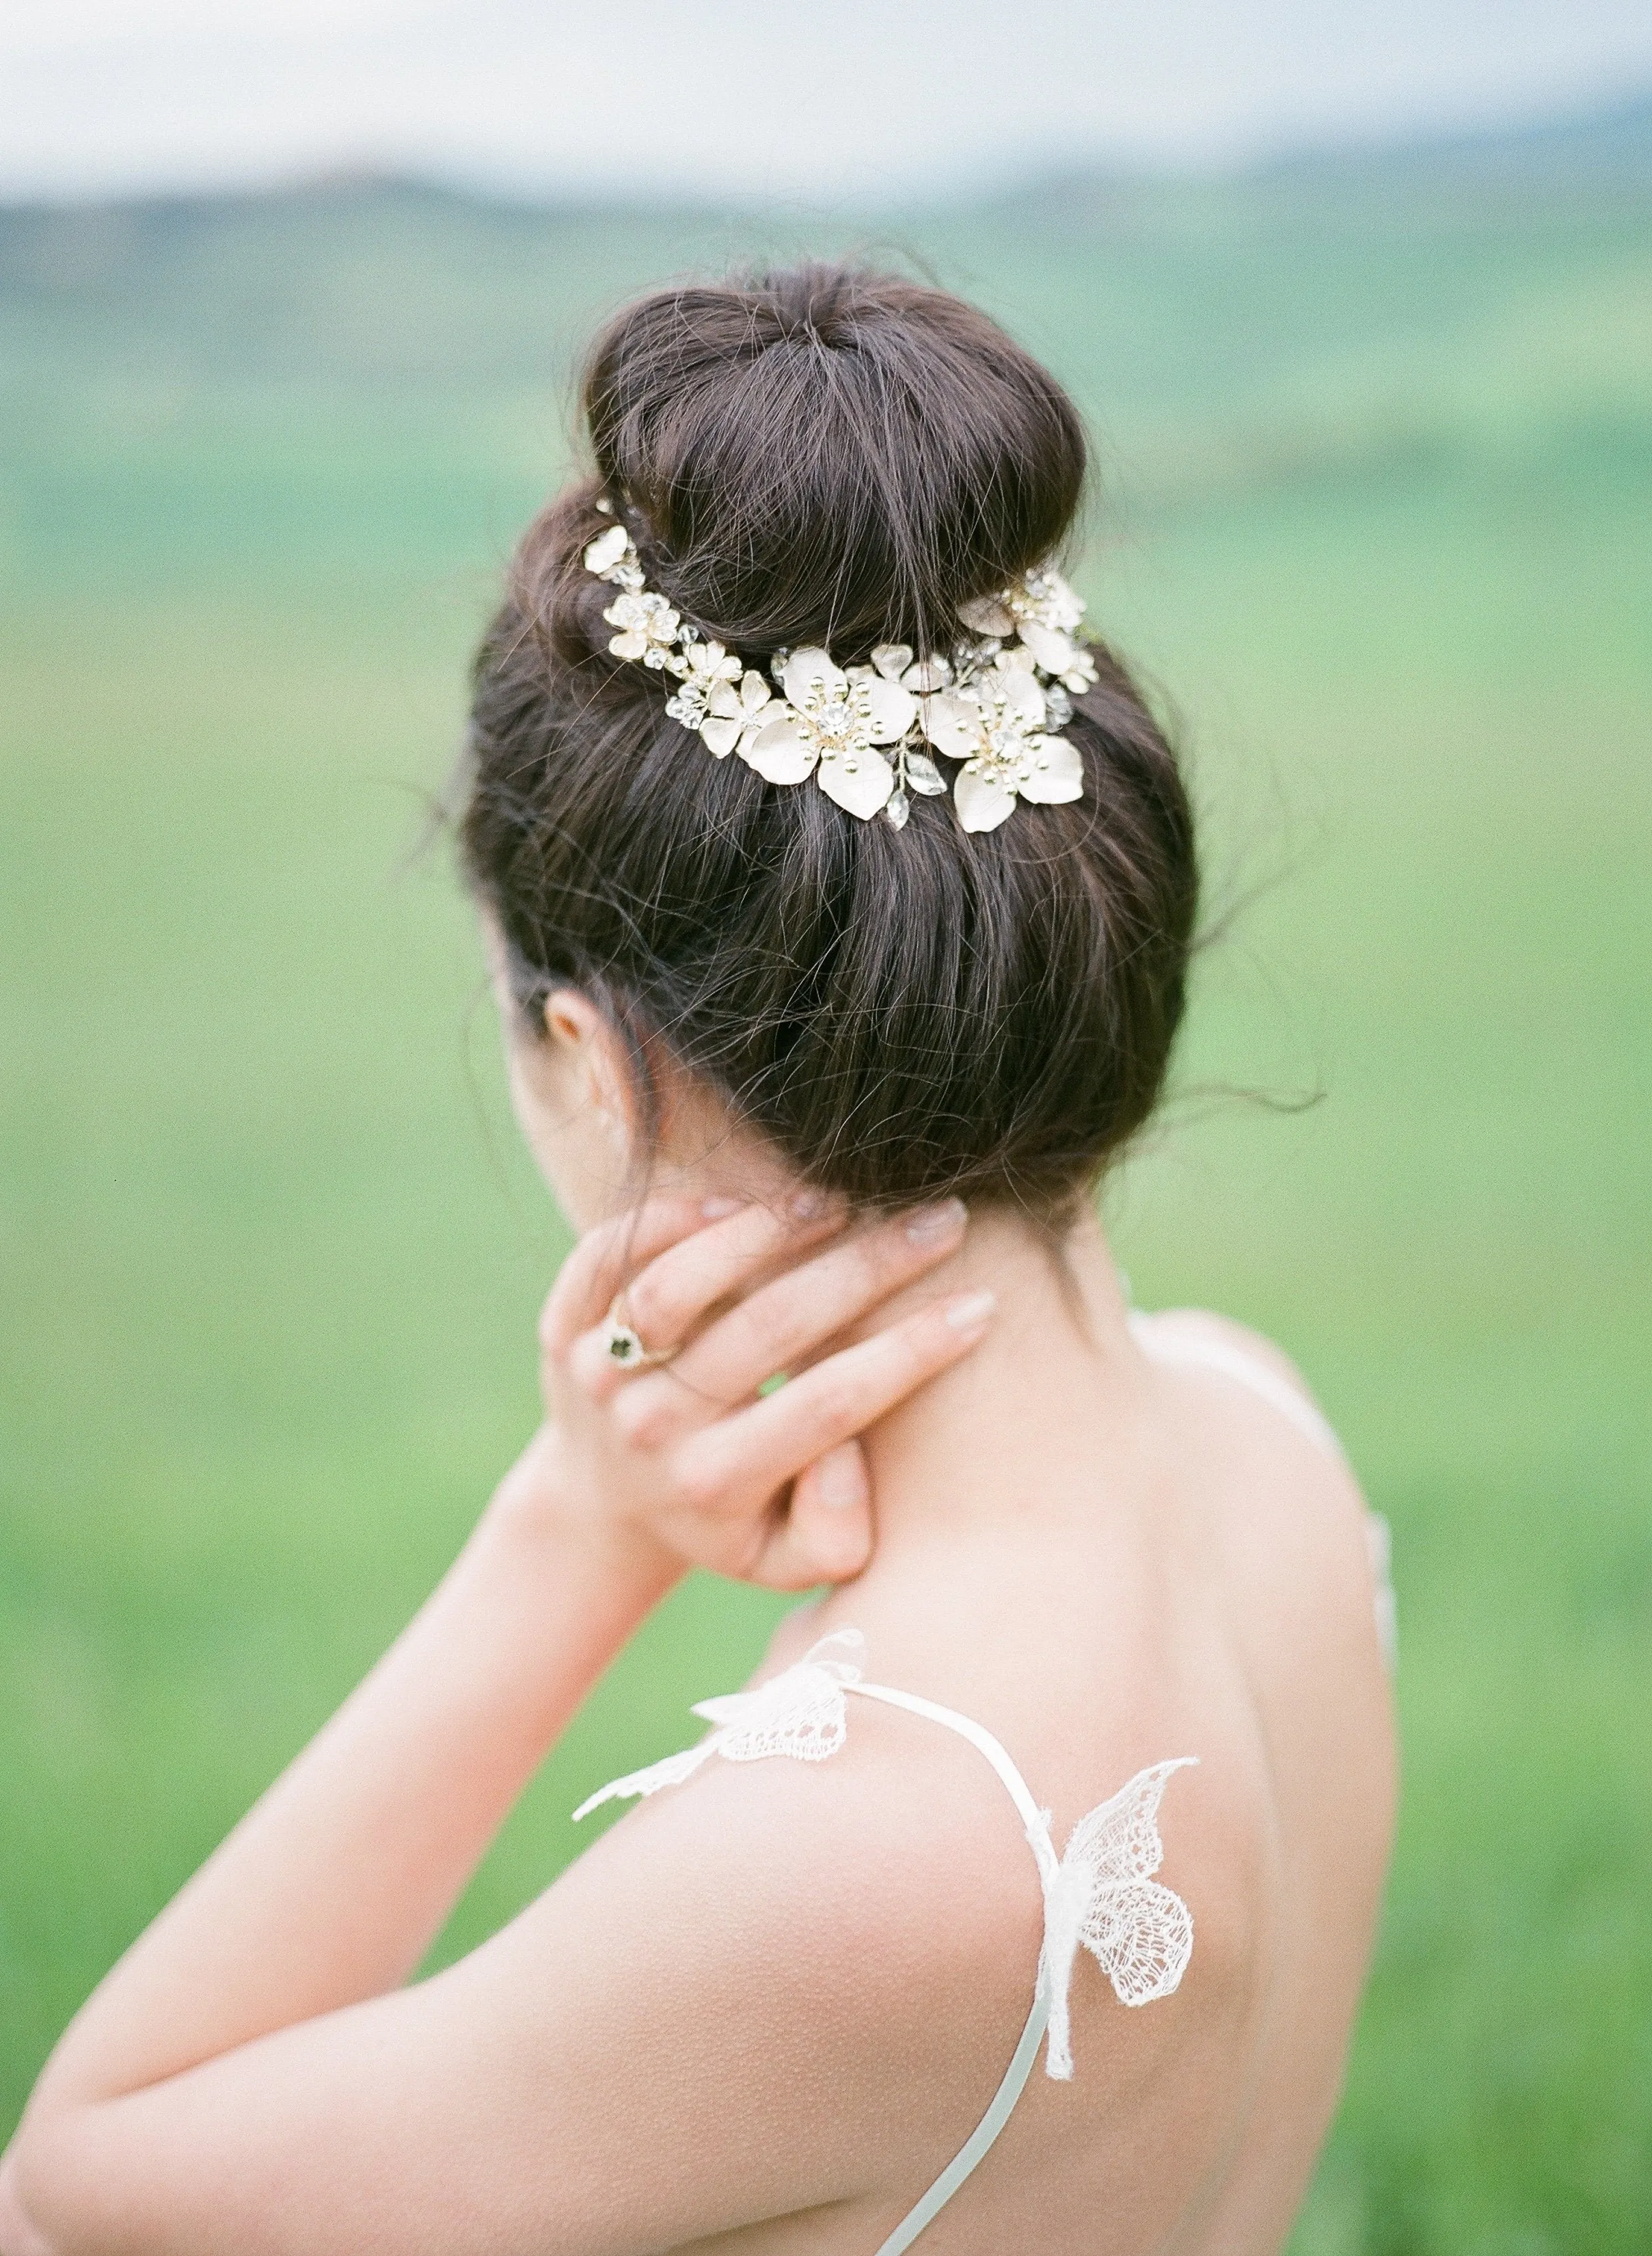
x=683 y=1463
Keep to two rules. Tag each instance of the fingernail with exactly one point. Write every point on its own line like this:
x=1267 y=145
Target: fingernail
x=808 y=1205
x=715 y=1209
x=972 y=1310
x=931 y=1224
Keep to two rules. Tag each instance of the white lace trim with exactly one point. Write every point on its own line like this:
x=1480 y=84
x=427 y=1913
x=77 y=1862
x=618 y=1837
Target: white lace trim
x=1099 y=1894
x=798 y=1713
x=1139 y=1933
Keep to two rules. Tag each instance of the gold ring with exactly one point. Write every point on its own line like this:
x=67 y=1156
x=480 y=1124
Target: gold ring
x=624 y=1344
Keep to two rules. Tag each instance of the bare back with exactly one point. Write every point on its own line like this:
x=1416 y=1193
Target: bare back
x=1209 y=1592
x=1121 y=1601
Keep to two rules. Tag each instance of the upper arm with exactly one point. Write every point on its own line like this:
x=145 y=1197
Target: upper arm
x=18 y=2234
x=725 y=2011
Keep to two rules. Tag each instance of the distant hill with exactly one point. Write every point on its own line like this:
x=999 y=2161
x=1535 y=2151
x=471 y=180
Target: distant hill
x=1446 y=308
x=70 y=250
x=1603 y=150
x=1613 y=142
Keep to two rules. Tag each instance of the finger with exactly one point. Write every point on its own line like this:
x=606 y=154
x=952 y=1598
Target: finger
x=665 y=1301
x=699 y=1271
x=756 y=1451
x=602 y=1260
x=690 y=1277
x=824 y=1535
x=784 y=1322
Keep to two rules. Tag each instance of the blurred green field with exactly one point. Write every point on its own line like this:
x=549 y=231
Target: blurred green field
x=1376 y=444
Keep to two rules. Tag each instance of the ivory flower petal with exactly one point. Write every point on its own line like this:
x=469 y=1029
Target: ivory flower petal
x=1052 y=649
x=988 y=615
x=1018 y=687
x=982 y=803
x=648 y=628
x=892 y=659
x=778 y=751
x=1054 y=774
x=719 y=734
x=607 y=549
x=709 y=664
x=893 y=710
x=862 y=787
x=733 y=711
x=952 y=724
x=804 y=667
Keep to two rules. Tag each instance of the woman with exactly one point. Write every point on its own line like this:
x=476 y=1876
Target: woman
x=839 y=897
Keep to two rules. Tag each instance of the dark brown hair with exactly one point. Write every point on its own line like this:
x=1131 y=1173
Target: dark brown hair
x=835 y=457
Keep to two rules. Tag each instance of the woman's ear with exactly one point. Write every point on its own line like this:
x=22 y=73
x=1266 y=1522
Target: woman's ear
x=586 y=1046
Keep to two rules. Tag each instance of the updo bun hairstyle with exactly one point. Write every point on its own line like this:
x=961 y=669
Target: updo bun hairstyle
x=833 y=457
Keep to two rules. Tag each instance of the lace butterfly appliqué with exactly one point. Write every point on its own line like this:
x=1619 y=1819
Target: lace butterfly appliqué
x=798 y=1713
x=1100 y=1894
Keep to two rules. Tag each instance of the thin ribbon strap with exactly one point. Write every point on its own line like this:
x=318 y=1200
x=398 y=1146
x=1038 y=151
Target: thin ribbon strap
x=1037 y=1822
x=981 y=2138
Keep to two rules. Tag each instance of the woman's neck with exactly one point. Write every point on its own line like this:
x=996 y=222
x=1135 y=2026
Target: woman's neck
x=1035 y=1423
x=1040 y=1424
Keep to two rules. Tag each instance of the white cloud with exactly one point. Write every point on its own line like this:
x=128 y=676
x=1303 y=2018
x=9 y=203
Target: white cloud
x=811 y=97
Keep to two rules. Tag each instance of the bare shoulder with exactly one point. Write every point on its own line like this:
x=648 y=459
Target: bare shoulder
x=840 y=1956
x=1259 y=1395
x=1268 y=1471
x=1197 y=1327
x=776 y=1944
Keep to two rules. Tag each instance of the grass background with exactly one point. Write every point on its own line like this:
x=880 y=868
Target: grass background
x=1376 y=450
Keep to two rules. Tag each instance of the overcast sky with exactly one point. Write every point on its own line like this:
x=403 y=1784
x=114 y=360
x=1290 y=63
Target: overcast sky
x=808 y=98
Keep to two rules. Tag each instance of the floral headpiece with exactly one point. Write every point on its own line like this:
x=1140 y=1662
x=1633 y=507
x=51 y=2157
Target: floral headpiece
x=996 y=701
